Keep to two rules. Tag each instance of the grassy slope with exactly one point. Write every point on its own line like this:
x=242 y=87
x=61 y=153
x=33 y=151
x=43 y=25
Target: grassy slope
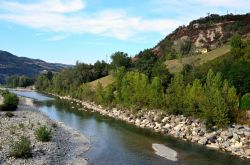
x=104 y=81
x=177 y=64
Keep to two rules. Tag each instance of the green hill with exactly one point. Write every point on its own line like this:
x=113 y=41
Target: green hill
x=105 y=81
x=14 y=65
x=176 y=65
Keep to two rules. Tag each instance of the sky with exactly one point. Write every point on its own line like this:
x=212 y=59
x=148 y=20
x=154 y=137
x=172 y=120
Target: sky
x=65 y=31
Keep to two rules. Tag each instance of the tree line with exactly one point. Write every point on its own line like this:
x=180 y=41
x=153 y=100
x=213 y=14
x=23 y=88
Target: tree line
x=147 y=84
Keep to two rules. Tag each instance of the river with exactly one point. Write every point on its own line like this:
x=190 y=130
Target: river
x=115 y=142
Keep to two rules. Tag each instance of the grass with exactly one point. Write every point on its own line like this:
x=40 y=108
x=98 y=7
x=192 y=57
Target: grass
x=21 y=148
x=177 y=64
x=105 y=81
x=43 y=134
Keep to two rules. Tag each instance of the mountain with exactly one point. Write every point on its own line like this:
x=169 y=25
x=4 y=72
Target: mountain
x=203 y=35
x=14 y=65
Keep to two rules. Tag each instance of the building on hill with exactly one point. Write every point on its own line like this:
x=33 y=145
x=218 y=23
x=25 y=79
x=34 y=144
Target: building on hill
x=202 y=50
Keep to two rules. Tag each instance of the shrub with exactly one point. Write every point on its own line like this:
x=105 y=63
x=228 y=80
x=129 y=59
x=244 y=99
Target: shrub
x=9 y=114
x=54 y=125
x=43 y=134
x=245 y=102
x=10 y=102
x=21 y=148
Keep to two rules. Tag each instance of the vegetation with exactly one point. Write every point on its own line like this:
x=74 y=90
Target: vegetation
x=245 y=102
x=234 y=66
x=10 y=101
x=19 y=81
x=105 y=81
x=120 y=59
x=177 y=65
x=21 y=148
x=22 y=66
x=147 y=84
x=43 y=134
x=9 y=114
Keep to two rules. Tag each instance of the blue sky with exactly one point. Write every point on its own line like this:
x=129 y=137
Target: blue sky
x=88 y=30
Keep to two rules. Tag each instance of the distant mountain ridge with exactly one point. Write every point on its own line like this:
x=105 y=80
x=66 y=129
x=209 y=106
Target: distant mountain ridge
x=14 y=65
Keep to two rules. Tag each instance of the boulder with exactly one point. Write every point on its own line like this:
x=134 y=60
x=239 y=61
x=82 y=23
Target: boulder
x=226 y=144
x=247 y=134
x=236 y=137
x=203 y=141
x=165 y=152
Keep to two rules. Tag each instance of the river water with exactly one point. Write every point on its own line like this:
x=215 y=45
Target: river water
x=115 y=142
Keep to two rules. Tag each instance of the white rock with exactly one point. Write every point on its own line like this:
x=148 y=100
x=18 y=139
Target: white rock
x=165 y=152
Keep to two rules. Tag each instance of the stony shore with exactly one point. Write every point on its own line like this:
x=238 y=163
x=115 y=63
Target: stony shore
x=235 y=139
x=67 y=146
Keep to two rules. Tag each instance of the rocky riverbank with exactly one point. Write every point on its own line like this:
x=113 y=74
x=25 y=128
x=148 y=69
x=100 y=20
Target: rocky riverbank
x=65 y=147
x=235 y=139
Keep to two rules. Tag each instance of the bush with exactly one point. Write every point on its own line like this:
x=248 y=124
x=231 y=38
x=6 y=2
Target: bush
x=21 y=148
x=9 y=114
x=245 y=102
x=43 y=134
x=10 y=102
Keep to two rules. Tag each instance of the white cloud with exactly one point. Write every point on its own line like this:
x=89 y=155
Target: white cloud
x=235 y=4
x=58 y=37
x=245 y=4
x=57 y=6
x=61 y=17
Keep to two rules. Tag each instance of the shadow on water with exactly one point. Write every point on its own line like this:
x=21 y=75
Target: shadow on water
x=116 y=142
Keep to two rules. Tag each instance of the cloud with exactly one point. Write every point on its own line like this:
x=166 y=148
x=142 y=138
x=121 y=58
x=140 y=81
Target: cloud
x=68 y=16
x=57 y=6
x=235 y=4
x=58 y=37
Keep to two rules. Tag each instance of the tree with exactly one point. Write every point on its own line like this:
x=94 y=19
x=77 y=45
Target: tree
x=120 y=59
x=146 y=62
x=220 y=104
x=194 y=96
x=100 y=94
x=156 y=93
x=160 y=70
x=185 y=47
x=175 y=95
x=239 y=76
x=236 y=46
x=119 y=74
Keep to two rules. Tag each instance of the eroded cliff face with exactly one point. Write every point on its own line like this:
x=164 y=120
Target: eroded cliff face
x=204 y=34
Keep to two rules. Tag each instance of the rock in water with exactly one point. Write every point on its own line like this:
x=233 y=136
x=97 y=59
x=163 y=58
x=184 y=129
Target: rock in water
x=165 y=151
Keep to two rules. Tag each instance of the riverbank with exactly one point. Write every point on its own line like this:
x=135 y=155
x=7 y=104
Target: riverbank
x=67 y=146
x=235 y=139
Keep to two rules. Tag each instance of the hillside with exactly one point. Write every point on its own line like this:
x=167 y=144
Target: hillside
x=202 y=35
x=104 y=81
x=176 y=65
x=14 y=65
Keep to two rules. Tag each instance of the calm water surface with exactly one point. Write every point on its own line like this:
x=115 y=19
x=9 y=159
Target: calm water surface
x=114 y=142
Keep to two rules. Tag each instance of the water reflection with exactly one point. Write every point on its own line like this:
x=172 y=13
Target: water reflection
x=115 y=142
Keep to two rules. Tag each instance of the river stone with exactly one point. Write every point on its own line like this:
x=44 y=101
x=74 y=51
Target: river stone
x=247 y=134
x=165 y=151
x=203 y=141
x=1 y=99
x=236 y=137
x=226 y=144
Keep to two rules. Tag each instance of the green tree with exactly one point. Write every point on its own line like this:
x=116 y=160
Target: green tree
x=220 y=104
x=100 y=94
x=156 y=93
x=175 y=95
x=120 y=59
x=194 y=96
